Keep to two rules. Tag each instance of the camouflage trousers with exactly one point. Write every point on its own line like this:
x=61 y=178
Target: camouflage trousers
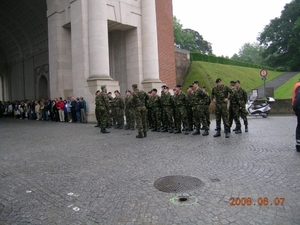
x=140 y=118
x=243 y=114
x=207 y=115
x=156 y=117
x=199 y=117
x=97 y=108
x=190 y=116
x=221 y=112
x=234 y=115
x=181 y=115
x=129 y=113
x=119 y=116
x=168 y=117
x=103 y=116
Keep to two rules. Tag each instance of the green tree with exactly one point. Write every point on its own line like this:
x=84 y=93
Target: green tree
x=251 y=53
x=190 y=39
x=282 y=38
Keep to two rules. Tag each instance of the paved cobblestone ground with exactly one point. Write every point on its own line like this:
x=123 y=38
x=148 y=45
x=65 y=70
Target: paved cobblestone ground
x=64 y=173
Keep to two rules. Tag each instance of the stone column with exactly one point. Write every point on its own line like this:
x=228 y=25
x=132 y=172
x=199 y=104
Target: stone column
x=98 y=40
x=150 y=47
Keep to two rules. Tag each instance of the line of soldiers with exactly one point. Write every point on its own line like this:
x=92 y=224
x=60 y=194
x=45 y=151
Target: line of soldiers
x=171 y=113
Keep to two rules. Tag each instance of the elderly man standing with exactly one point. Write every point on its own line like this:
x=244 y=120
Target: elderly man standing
x=139 y=103
x=102 y=101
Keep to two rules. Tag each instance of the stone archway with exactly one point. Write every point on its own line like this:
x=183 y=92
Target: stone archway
x=43 y=88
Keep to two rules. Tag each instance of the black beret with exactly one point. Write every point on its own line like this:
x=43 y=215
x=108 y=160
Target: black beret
x=149 y=92
x=179 y=86
x=232 y=82
x=204 y=87
x=218 y=80
x=109 y=93
x=116 y=91
x=164 y=86
x=191 y=86
x=196 y=82
x=128 y=91
x=238 y=81
x=167 y=87
x=154 y=89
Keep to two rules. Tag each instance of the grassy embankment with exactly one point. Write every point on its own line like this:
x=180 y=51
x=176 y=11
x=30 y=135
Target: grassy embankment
x=285 y=90
x=207 y=73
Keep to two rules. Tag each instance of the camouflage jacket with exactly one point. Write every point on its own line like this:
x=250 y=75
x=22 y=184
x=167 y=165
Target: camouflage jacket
x=102 y=100
x=166 y=99
x=190 y=99
x=241 y=96
x=129 y=102
x=220 y=93
x=233 y=98
x=180 y=100
x=200 y=97
x=118 y=102
x=139 y=98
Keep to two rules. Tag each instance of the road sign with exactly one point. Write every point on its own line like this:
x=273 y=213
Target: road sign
x=263 y=78
x=263 y=73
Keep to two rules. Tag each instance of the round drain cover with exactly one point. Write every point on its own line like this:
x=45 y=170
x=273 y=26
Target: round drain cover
x=177 y=184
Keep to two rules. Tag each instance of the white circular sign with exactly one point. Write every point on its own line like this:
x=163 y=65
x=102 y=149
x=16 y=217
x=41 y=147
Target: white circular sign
x=263 y=73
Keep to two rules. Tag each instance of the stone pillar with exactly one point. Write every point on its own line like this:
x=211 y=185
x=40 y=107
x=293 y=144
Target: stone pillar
x=98 y=40
x=150 y=47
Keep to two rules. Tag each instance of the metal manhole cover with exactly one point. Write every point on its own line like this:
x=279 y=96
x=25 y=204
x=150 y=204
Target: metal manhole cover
x=178 y=184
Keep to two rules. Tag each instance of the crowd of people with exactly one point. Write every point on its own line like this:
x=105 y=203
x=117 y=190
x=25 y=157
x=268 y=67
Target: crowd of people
x=172 y=113
x=59 y=110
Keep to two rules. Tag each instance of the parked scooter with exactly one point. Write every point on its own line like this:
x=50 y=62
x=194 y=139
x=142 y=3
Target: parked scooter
x=259 y=110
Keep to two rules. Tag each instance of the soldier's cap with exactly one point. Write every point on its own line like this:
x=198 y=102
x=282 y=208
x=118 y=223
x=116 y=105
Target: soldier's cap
x=128 y=91
x=103 y=86
x=218 y=80
x=154 y=89
x=167 y=87
x=191 y=86
x=203 y=87
x=232 y=82
x=109 y=93
x=164 y=86
x=196 y=82
x=97 y=91
x=149 y=92
x=179 y=86
x=134 y=86
x=238 y=81
x=116 y=91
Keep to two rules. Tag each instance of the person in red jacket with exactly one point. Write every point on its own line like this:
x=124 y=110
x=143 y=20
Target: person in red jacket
x=296 y=111
x=60 y=105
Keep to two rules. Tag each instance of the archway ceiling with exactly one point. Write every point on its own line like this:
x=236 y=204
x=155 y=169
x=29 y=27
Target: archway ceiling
x=23 y=28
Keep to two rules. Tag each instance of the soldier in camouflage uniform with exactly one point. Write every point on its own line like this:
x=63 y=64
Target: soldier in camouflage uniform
x=206 y=109
x=220 y=95
x=150 y=121
x=119 y=110
x=129 y=111
x=180 y=102
x=189 y=108
x=102 y=102
x=167 y=106
x=110 y=116
x=162 y=92
x=139 y=104
x=199 y=101
x=156 y=110
x=175 y=114
x=242 y=99
x=234 y=109
x=97 y=108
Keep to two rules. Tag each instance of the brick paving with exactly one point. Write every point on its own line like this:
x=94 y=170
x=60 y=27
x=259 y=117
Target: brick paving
x=66 y=173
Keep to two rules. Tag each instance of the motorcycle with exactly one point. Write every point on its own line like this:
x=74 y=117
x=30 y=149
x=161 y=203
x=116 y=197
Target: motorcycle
x=259 y=110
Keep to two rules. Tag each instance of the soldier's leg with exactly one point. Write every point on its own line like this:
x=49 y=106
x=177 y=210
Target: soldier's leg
x=138 y=118
x=236 y=118
x=144 y=121
x=224 y=114
x=230 y=117
x=218 y=112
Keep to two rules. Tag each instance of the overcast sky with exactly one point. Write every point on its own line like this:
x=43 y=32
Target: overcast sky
x=227 y=24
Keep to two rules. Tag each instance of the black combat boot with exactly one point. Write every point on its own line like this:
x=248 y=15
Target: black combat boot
x=205 y=133
x=140 y=135
x=227 y=134
x=121 y=127
x=127 y=128
x=104 y=131
x=132 y=128
x=202 y=128
x=235 y=129
x=186 y=131
x=177 y=131
x=154 y=129
x=171 y=131
x=145 y=134
x=238 y=130
x=218 y=134
x=196 y=132
x=246 y=128
x=97 y=125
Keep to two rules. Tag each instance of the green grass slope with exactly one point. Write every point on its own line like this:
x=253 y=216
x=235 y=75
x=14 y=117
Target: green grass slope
x=207 y=73
x=285 y=90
